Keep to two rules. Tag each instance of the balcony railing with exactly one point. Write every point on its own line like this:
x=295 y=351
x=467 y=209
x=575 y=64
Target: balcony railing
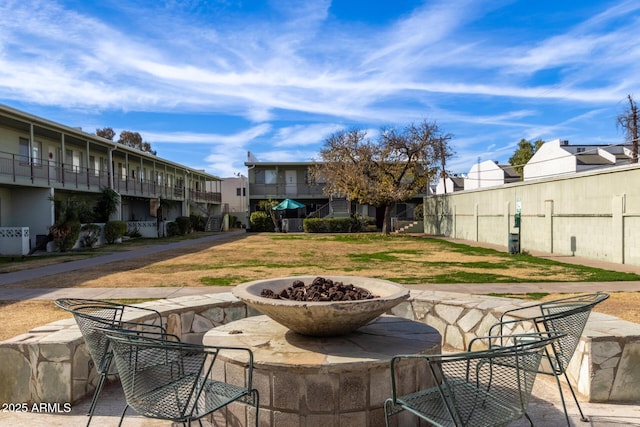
x=204 y=196
x=21 y=170
x=281 y=191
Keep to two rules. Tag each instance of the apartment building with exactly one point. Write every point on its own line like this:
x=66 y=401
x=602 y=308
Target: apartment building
x=42 y=161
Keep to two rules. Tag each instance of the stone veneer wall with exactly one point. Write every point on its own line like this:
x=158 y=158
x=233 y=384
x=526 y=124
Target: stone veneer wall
x=605 y=367
x=50 y=363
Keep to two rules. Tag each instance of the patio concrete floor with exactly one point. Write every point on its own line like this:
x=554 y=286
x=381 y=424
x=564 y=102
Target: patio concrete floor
x=545 y=409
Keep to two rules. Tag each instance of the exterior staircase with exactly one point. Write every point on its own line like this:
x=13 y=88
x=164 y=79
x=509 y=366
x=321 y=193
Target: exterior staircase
x=339 y=208
x=410 y=227
x=213 y=224
x=336 y=208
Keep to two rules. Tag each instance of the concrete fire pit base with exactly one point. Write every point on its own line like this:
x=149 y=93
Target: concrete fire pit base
x=329 y=381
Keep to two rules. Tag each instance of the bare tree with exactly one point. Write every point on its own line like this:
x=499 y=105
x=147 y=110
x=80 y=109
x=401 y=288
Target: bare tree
x=442 y=153
x=628 y=121
x=394 y=168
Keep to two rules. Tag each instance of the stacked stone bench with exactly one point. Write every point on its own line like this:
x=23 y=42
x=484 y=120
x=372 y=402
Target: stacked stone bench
x=51 y=364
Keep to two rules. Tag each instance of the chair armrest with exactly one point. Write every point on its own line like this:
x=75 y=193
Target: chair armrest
x=128 y=308
x=215 y=351
x=513 y=311
x=149 y=330
x=505 y=328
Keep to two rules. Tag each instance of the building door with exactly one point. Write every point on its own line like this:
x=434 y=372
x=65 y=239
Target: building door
x=291 y=187
x=51 y=161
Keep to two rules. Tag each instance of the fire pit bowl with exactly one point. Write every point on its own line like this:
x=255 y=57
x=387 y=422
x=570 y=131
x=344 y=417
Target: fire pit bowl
x=322 y=319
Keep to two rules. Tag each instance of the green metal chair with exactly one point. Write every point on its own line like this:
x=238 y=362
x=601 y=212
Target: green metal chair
x=175 y=381
x=568 y=315
x=488 y=387
x=91 y=315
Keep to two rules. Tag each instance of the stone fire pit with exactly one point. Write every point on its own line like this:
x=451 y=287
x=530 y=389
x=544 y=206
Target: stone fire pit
x=331 y=318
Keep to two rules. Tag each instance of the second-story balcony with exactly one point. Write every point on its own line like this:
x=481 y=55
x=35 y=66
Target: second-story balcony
x=20 y=170
x=282 y=191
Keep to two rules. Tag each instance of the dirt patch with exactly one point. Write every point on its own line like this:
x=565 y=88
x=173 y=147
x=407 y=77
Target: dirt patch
x=257 y=256
x=19 y=317
x=267 y=255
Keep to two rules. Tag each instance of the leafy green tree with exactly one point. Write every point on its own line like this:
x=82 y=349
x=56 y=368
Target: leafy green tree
x=134 y=140
x=525 y=151
x=128 y=138
x=628 y=121
x=107 y=133
x=395 y=167
x=107 y=205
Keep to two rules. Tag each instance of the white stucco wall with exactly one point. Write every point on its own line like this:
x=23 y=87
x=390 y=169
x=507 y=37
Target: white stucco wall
x=440 y=187
x=551 y=159
x=237 y=205
x=482 y=175
x=33 y=209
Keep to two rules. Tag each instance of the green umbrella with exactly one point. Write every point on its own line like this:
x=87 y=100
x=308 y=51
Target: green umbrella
x=288 y=204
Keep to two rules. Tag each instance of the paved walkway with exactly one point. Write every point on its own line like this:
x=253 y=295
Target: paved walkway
x=50 y=270
x=545 y=408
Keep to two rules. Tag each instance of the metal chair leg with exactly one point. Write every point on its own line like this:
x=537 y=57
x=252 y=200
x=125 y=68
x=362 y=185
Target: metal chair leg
x=96 y=393
x=256 y=400
x=564 y=405
x=575 y=398
x=124 y=411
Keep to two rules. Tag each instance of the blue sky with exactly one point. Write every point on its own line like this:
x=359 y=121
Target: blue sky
x=206 y=81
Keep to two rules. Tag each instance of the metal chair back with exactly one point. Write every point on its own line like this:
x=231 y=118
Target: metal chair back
x=568 y=315
x=91 y=317
x=490 y=387
x=174 y=381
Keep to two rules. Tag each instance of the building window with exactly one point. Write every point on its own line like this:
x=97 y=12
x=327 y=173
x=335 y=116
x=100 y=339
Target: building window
x=267 y=176
x=73 y=158
x=26 y=157
x=270 y=177
x=238 y=191
x=93 y=164
x=24 y=150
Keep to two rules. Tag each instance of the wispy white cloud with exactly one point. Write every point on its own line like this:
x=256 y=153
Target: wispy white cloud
x=298 y=61
x=233 y=140
x=301 y=135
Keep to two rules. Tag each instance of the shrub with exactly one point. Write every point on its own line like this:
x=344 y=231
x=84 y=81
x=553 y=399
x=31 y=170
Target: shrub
x=113 y=230
x=173 y=229
x=361 y=223
x=198 y=222
x=184 y=225
x=327 y=225
x=65 y=235
x=418 y=212
x=261 y=221
x=133 y=230
x=90 y=235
